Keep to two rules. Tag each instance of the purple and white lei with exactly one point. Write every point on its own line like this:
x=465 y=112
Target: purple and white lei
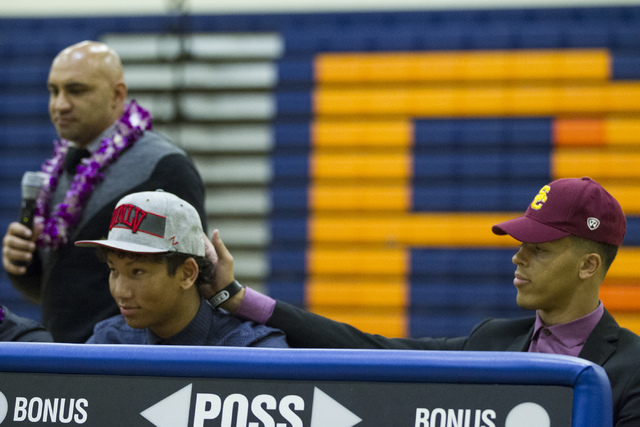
x=57 y=225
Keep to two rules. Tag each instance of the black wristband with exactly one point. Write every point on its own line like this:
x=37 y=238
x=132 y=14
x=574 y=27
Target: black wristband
x=228 y=292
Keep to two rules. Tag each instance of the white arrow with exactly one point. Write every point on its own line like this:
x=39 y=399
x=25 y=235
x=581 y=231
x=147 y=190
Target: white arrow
x=326 y=412
x=172 y=411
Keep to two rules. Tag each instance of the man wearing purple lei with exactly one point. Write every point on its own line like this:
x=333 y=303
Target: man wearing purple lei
x=106 y=150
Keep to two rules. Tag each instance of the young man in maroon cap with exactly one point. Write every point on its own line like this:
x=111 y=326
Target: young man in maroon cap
x=570 y=235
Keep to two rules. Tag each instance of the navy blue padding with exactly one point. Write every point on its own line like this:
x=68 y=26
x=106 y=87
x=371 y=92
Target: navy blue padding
x=18 y=73
x=33 y=134
x=39 y=43
x=626 y=66
x=316 y=40
x=468 y=293
x=295 y=71
x=18 y=106
x=15 y=166
x=473 y=197
x=10 y=196
x=243 y=22
x=461 y=165
x=600 y=13
x=462 y=262
x=287 y=135
x=586 y=35
x=492 y=35
x=456 y=35
x=450 y=36
x=626 y=36
x=290 y=166
x=592 y=401
x=287 y=261
x=293 y=103
x=404 y=38
x=503 y=132
x=447 y=36
x=288 y=199
x=342 y=31
x=538 y=35
x=288 y=290
x=632 y=236
x=288 y=230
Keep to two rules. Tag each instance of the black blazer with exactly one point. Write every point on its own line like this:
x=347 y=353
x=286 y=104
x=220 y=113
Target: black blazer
x=18 y=328
x=614 y=348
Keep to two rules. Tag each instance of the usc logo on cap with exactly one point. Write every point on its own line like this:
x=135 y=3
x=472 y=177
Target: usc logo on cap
x=539 y=200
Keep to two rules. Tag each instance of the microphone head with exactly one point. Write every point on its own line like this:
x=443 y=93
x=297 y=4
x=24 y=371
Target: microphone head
x=31 y=184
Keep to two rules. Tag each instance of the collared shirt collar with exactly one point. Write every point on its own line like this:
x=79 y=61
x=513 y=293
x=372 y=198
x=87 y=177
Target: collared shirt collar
x=566 y=338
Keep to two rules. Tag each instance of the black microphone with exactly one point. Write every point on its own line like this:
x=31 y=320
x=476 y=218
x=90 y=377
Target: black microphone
x=31 y=185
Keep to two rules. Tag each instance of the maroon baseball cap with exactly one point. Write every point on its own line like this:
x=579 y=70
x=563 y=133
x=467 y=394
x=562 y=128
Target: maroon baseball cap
x=569 y=206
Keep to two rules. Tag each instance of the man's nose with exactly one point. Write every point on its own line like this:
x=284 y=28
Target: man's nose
x=61 y=101
x=519 y=257
x=120 y=288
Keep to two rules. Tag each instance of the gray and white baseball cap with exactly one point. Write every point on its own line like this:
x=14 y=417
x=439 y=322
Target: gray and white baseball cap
x=153 y=222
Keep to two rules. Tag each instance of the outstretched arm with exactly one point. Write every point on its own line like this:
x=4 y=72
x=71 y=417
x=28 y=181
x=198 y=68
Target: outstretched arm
x=303 y=328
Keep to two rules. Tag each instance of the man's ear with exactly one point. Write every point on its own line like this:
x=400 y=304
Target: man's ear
x=590 y=266
x=189 y=271
x=120 y=91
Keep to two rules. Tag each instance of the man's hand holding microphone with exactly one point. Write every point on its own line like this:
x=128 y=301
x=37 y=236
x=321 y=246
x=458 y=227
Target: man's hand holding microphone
x=18 y=243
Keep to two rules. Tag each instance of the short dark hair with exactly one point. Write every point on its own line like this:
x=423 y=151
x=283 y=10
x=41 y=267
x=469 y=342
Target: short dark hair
x=206 y=269
x=606 y=251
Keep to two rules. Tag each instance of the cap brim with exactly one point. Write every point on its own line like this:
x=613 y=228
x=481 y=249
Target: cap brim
x=525 y=229
x=122 y=246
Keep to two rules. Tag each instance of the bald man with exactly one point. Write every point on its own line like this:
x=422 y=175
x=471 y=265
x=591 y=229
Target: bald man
x=86 y=103
x=88 y=92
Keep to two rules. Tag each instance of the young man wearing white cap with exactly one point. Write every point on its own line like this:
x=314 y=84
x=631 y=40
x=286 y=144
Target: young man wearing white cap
x=155 y=252
x=570 y=235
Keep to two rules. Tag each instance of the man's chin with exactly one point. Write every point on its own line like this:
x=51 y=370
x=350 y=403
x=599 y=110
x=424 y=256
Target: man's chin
x=65 y=133
x=525 y=303
x=135 y=325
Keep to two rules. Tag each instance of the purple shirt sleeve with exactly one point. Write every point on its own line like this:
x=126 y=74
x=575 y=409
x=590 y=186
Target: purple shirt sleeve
x=256 y=306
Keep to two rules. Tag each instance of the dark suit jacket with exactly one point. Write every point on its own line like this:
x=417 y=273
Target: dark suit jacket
x=616 y=349
x=18 y=328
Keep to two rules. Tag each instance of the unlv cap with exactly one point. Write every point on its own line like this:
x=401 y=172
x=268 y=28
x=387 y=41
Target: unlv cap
x=153 y=222
x=570 y=206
